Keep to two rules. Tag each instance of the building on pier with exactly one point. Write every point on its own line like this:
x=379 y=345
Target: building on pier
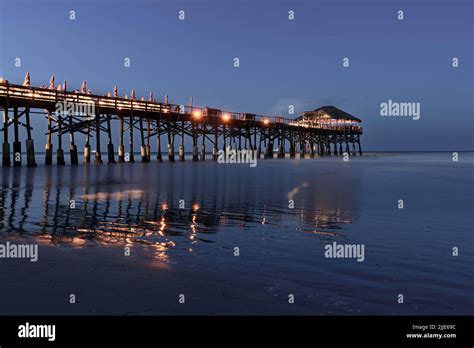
x=329 y=116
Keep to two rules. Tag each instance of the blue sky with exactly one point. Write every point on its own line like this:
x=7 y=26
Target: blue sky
x=282 y=62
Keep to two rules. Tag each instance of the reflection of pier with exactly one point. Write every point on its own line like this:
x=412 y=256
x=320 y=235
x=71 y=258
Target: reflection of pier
x=74 y=205
x=73 y=112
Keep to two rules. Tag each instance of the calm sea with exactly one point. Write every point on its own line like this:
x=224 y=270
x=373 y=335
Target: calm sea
x=242 y=240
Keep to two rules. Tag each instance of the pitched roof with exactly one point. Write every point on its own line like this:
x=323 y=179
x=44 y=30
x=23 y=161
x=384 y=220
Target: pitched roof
x=329 y=112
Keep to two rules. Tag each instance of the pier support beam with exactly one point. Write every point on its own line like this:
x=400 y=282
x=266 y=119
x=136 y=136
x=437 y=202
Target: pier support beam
x=30 y=153
x=170 y=145
x=87 y=147
x=215 y=148
x=171 y=152
x=292 y=149
x=110 y=145
x=16 y=142
x=147 y=146
x=181 y=146
x=72 y=146
x=30 y=146
x=302 y=149
x=5 y=145
x=110 y=153
x=203 y=144
x=131 y=156
x=60 y=152
x=60 y=157
x=203 y=152
x=269 y=151
x=281 y=150
x=148 y=153
x=6 y=154
x=49 y=147
x=181 y=152
x=158 y=139
x=121 y=148
x=143 y=154
x=311 y=150
x=195 y=153
x=98 y=154
x=195 y=147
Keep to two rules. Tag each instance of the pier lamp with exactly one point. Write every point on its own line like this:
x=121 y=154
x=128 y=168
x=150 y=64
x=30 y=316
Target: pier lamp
x=225 y=117
x=197 y=114
x=266 y=121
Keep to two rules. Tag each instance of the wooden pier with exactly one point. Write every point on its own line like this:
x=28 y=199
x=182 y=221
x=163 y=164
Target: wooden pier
x=322 y=132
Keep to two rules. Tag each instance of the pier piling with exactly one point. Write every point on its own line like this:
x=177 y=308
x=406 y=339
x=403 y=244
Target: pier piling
x=110 y=145
x=30 y=146
x=131 y=155
x=98 y=154
x=87 y=147
x=16 y=142
x=170 y=145
x=60 y=152
x=5 y=144
x=49 y=146
x=72 y=146
x=158 y=140
x=121 y=148
x=143 y=151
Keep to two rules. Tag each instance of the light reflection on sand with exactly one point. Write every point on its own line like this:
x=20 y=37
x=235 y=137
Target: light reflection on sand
x=110 y=212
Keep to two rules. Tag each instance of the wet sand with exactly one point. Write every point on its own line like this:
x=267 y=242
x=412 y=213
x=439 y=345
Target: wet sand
x=190 y=251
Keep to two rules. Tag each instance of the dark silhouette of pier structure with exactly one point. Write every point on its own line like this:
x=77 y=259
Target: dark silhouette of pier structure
x=322 y=132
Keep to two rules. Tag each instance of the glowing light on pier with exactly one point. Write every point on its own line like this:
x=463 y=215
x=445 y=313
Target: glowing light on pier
x=266 y=121
x=197 y=114
x=225 y=117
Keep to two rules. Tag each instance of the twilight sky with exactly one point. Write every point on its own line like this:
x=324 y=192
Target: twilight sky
x=282 y=61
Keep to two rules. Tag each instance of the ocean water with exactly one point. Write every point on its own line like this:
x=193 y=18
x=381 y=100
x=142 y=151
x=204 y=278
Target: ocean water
x=242 y=240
